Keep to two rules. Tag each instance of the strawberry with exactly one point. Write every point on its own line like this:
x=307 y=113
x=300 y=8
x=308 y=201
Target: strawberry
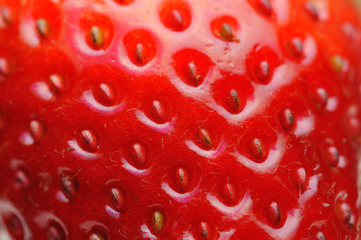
x=179 y=119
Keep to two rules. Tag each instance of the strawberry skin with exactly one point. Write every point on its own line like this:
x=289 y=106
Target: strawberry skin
x=179 y=119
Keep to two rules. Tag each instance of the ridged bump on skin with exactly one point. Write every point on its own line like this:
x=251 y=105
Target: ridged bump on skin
x=179 y=119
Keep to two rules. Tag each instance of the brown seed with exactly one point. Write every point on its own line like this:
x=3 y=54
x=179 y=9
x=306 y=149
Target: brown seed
x=320 y=98
x=157 y=221
x=287 y=119
x=195 y=77
x=139 y=154
x=204 y=230
x=139 y=54
x=204 y=138
x=6 y=15
x=22 y=178
x=229 y=193
x=339 y=63
x=265 y=7
x=344 y=212
x=320 y=236
x=226 y=32
x=117 y=197
x=89 y=139
x=96 y=36
x=43 y=27
x=312 y=10
x=97 y=236
x=332 y=156
x=233 y=101
x=262 y=72
x=274 y=213
x=69 y=185
x=56 y=83
x=182 y=179
x=295 y=47
x=257 y=149
x=299 y=177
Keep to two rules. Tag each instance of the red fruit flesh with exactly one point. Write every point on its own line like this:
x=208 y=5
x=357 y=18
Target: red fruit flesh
x=138 y=119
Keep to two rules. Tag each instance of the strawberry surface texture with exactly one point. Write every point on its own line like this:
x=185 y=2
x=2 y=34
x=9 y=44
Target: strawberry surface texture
x=180 y=119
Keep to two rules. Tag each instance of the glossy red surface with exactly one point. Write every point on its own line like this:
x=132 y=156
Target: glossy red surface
x=192 y=119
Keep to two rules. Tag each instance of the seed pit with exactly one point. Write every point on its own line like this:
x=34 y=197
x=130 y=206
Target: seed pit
x=6 y=15
x=257 y=141
x=274 y=214
x=57 y=83
x=339 y=64
x=294 y=47
x=5 y=67
x=312 y=10
x=22 y=178
x=13 y=225
x=96 y=36
x=89 y=141
x=191 y=66
x=204 y=230
x=117 y=198
x=140 y=47
x=344 y=212
x=204 y=138
x=158 y=112
x=193 y=73
x=299 y=177
x=354 y=129
x=69 y=185
x=256 y=149
x=232 y=92
x=106 y=94
x=37 y=130
x=320 y=236
x=55 y=231
x=157 y=221
x=320 y=98
x=332 y=156
x=181 y=179
x=233 y=101
x=287 y=119
x=138 y=154
x=263 y=7
x=229 y=193
x=43 y=27
x=262 y=71
x=175 y=15
x=225 y=28
x=97 y=30
x=124 y=2
x=261 y=63
x=97 y=236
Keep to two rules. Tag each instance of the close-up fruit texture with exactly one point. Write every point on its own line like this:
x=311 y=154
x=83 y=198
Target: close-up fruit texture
x=180 y=120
